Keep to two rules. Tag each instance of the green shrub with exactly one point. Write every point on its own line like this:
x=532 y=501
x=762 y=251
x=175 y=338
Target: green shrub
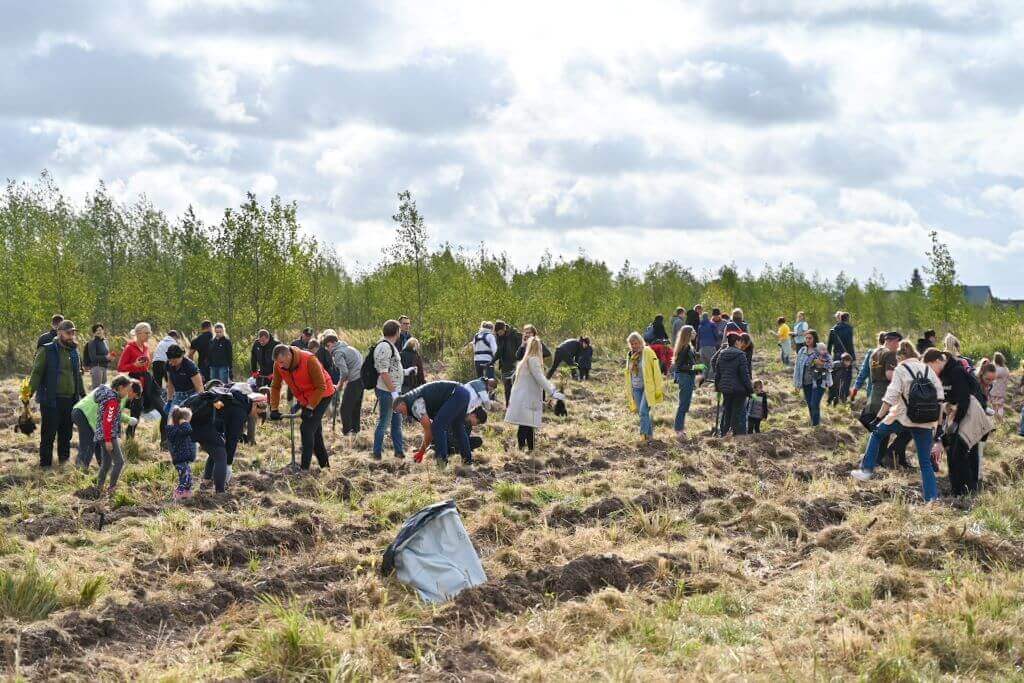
x=28 y=596
x=91 y=590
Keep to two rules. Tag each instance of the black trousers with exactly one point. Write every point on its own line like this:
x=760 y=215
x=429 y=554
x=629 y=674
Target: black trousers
x=159 y=369
x=506 y=380
x=484 y=369
x=963 y=468
x=312 y=431
x=150 y=400
x=351 y=406
x=524 y=437
x=560 y=357
x=583 y=371
x=56 y=426
x=212 y=441
x=753 y=425
x=734 y=414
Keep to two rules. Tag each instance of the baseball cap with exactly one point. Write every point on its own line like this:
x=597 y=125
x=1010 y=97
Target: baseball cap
x=893 y=335
x=67 y=326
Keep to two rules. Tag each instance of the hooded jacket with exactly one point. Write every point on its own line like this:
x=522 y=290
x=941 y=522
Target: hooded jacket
x=732 y=375
x=654 y=387
x=108 y=427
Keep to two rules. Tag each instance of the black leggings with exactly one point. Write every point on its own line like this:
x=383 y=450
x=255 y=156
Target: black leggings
x=150 y=400
x=524 y=437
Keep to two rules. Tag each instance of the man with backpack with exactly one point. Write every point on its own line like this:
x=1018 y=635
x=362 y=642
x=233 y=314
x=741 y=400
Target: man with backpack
x=312 y=388
x=382 y=369
x=509 y=341
x=485 y=349
x=912 y=402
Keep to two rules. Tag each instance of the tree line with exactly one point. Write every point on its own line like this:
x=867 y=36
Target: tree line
x=115 y=263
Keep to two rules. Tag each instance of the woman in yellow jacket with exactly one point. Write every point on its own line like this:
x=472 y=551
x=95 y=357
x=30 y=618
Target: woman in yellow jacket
x=643 y=382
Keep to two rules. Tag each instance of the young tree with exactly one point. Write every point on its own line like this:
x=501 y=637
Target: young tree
x=945 y=292
x=410 y=246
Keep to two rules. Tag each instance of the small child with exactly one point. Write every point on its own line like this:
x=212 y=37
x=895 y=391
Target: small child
x=757 y=408
x=179 y=441
x=842 y=378
x=108 y=430
x=997 y=394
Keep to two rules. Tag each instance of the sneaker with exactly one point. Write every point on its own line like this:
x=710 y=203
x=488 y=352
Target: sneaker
x=227 y=477
x=400 y=456
x=179 y=494
x=861 y=475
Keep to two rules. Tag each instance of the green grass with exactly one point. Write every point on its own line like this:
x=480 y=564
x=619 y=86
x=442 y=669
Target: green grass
x=27 y=596
x=511 y=492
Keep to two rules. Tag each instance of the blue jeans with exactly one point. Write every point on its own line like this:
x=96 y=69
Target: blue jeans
x=646 y=426
x=784 y=350
x=386 y=415
x=221 y=372
x=685 y=381
x=450 y=422
x=812 y=395
x=923 y=442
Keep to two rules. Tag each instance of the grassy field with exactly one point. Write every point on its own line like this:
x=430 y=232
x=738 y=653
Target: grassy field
x=749 y=559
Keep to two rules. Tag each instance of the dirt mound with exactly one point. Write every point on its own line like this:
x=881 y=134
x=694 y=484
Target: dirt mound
x=819 y=513
x=835 y=538
x=931 y=551
x=239 y=546
x=893 y=586
x=764 y=519
x=471 y=662
x=578 y=578
x=34 y=643
x=36 y=527
x=683 y=494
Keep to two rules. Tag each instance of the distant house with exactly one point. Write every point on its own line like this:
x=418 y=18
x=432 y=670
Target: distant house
x=978 y=295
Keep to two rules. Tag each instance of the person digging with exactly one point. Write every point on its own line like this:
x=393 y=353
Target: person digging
x=441 y=408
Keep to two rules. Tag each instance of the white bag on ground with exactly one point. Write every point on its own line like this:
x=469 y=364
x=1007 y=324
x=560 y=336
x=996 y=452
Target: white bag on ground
x=434 y=554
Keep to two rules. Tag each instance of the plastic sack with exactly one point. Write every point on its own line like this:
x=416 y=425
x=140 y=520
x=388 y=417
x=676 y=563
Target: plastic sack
x=434 y=554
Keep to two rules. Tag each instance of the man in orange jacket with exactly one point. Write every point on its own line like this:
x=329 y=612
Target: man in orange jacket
x=312 y=388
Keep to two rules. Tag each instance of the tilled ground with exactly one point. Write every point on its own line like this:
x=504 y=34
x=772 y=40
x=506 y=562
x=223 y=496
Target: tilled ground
x=754 y=557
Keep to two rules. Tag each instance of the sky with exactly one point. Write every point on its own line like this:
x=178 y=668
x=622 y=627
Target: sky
x=834 y=135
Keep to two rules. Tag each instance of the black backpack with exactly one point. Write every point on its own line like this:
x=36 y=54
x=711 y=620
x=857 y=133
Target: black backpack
x=922 y=399
x=368 y=373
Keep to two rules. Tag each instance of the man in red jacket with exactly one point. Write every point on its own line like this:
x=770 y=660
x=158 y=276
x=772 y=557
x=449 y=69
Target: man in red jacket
x=312 y=388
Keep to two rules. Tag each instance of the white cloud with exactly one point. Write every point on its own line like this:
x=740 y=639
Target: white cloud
x=757 y=131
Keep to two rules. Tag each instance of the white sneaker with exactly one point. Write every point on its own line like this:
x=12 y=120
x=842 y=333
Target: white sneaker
x=861 y=475
x=227 y=477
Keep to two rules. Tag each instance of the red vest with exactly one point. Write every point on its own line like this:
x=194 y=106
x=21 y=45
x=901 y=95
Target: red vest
x=298 y=379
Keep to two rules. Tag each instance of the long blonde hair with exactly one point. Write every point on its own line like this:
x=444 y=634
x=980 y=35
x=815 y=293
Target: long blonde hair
x=684 y=339
x=952 y=345
x=534 y=349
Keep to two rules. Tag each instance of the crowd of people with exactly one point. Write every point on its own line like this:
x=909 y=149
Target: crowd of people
x=936 y=398
x=190 y=390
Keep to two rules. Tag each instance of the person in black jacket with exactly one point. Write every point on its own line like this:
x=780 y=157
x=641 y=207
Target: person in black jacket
x=840 y=341
x=693 y=316
x=529 y=331
x=685 y=366
x=96 y=358
x=567 y=352
x=199 y=349
x=47 y=337
x=509 y=341
x=732 y=381
x=304 y=338
x=219 y=416
x=585 y=360
x=959 y=386
x=927 y=341
x=442 y=407
x=222 y=355
x=261 y=359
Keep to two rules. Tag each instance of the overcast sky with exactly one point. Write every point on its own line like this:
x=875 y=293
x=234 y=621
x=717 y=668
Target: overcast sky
x=831 y=134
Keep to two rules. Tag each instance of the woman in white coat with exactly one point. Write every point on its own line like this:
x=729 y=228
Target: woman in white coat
x=526 y=404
